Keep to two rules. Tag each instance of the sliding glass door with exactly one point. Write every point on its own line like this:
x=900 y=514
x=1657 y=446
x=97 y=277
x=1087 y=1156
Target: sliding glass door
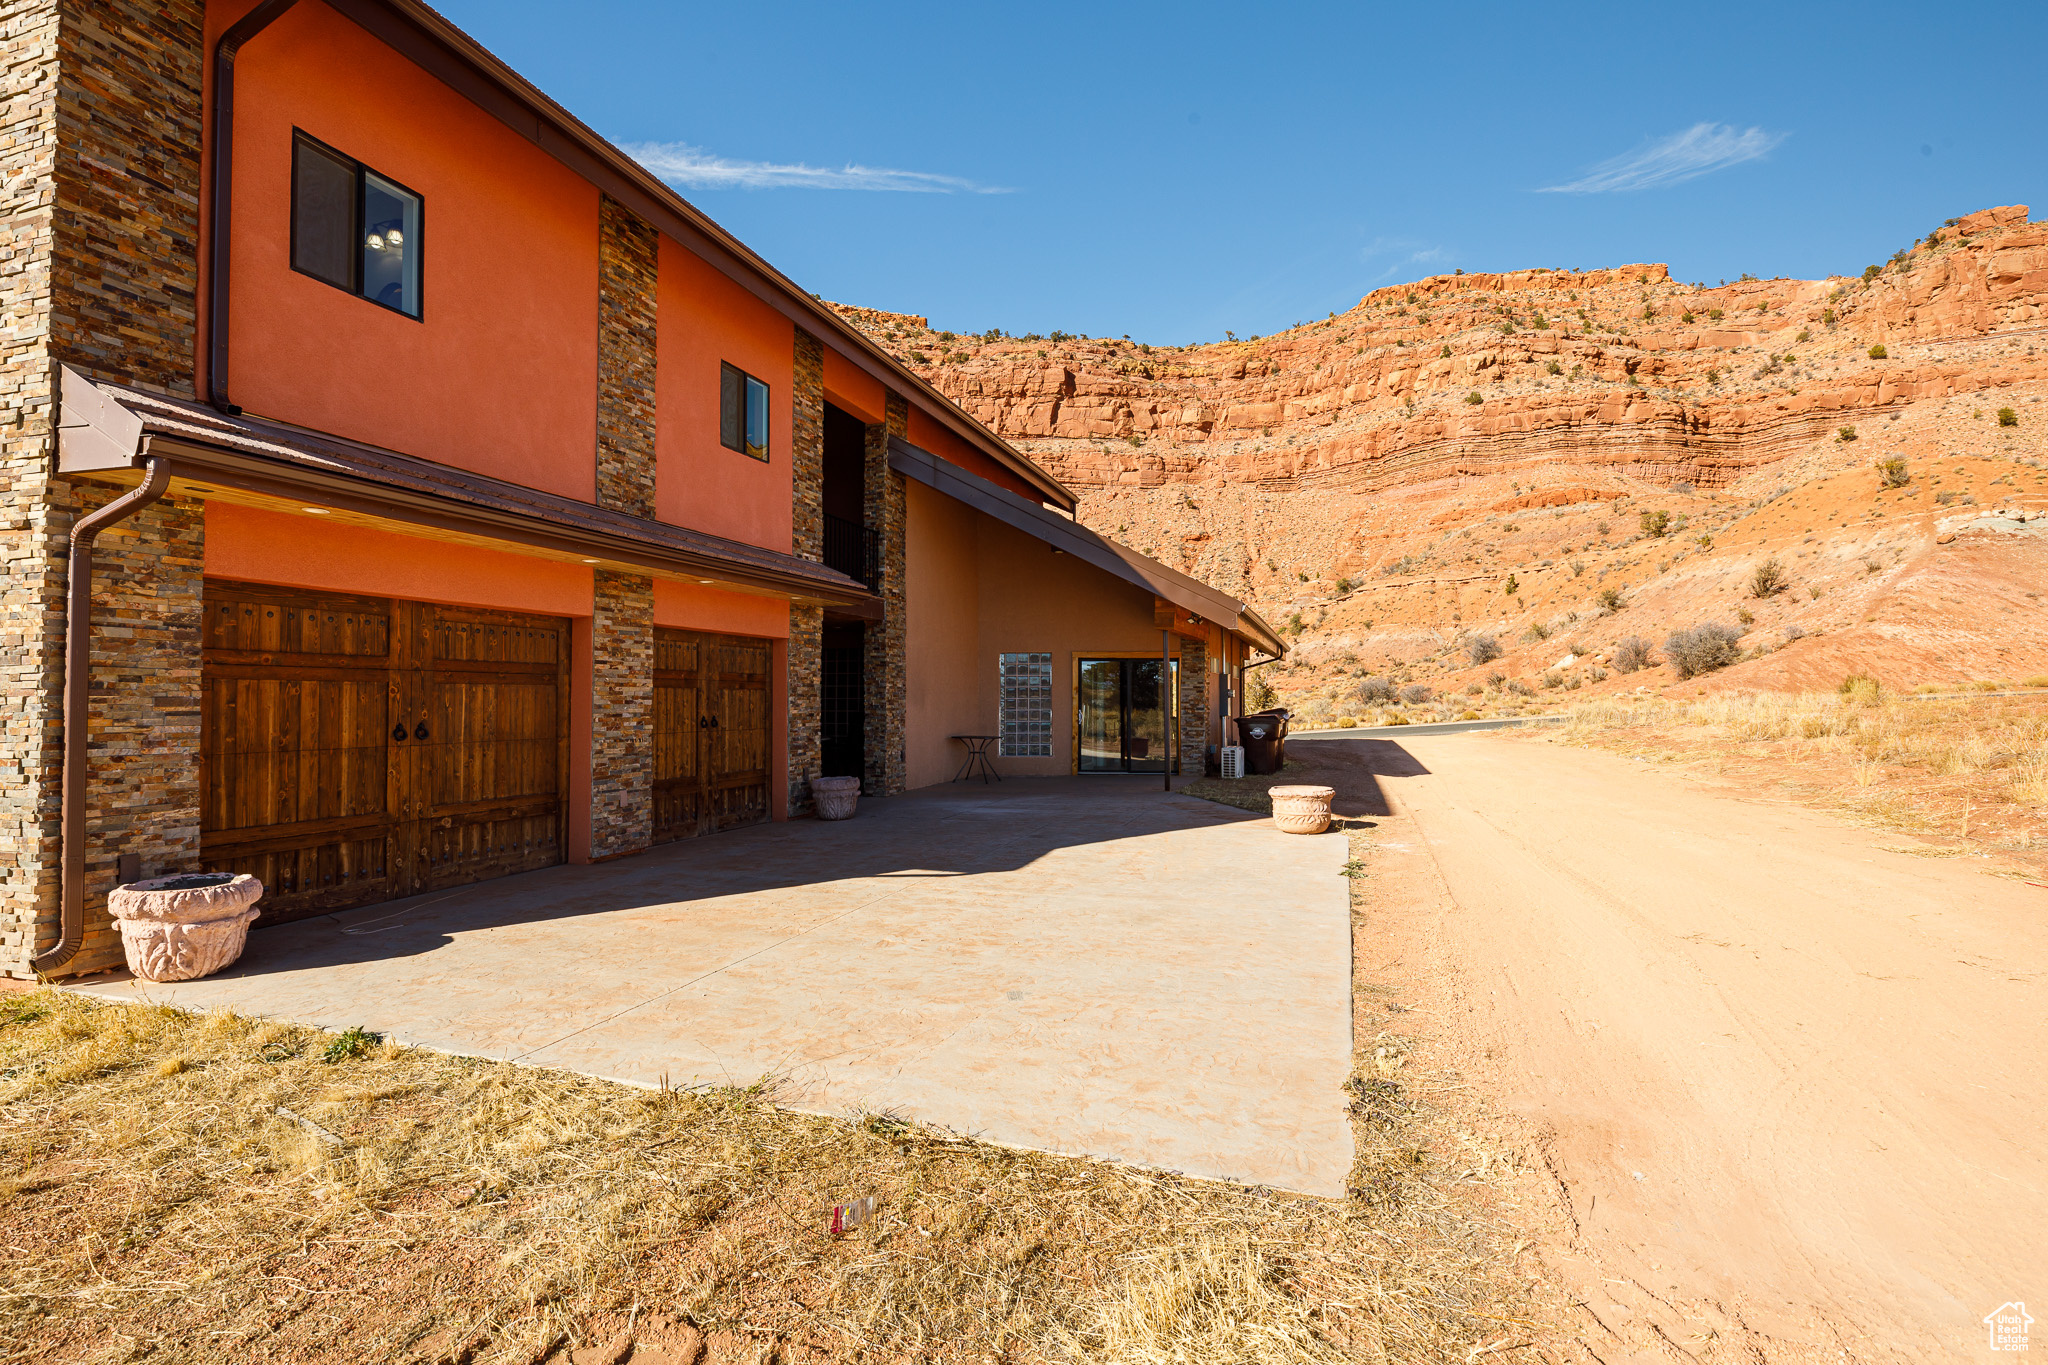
x=1124 y=714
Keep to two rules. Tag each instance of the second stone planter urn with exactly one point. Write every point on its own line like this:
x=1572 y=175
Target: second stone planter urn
x=1302 y=810
x=184 y=927
x=835 y=796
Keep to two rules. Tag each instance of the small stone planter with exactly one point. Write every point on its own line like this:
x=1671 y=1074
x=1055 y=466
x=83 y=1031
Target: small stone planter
x=1302 y=810
x=185 y=927
x=835 y=797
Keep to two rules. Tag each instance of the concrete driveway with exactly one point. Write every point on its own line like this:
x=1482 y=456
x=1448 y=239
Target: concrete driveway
x=1082 y=965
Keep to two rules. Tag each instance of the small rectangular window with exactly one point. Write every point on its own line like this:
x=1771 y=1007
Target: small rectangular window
x=742 y=412
x=1024 y=702
x=355 y=229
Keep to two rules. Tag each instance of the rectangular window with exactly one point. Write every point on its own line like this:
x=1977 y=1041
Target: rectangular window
x=1024 y=719
x=353 y=228
x=742 y=412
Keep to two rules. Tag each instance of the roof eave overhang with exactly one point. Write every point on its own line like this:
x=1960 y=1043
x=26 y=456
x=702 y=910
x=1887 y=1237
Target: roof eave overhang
x=194 y=460
x=1071 y=537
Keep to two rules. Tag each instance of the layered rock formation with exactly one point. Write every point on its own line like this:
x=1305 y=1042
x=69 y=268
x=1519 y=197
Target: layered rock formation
x=1292 y=468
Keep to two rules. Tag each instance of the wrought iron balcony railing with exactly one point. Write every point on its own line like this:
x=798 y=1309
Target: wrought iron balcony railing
x=854 y=550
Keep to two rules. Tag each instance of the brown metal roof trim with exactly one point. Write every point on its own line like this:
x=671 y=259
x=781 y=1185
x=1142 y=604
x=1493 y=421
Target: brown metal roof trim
x=429 y=40
x=1189 y=594
x=106 y=427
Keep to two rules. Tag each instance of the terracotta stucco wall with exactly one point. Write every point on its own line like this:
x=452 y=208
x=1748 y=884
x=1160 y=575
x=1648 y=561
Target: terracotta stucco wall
x=499 y=376
x=978 y=589
x=254 y=545
x=928 y=433
x=941 y=598
x=706 y=319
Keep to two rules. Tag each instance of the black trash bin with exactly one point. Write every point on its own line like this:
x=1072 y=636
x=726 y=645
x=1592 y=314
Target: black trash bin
x=1262 y=736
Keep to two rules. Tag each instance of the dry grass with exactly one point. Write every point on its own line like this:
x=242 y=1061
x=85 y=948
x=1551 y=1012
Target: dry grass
x=1972 y=768
x=208 y=1188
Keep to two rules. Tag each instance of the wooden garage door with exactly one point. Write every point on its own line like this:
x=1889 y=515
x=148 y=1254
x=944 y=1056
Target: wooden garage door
x=356 y=749
x=710 y=733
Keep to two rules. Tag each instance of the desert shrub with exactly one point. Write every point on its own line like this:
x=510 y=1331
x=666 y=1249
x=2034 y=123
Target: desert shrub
x=1714 y=313
x=1745 y=615
x=1520 y=688
x=1861 y=689
x=1878 y=352
x=2008 y=418
x=1553 y=368
x=1702 y=648
x=1794 y=632
x=1347 y=722
x=1654 y=524
x=1468 y=714
x=1805 y=334
x=1374 y=691
x=1474 y=398
x=1415 y=694
x=1845 y=433
x=1445 y=353
x=1258 y=693
x=1871 y=272
x=1344 y=585
x=1631 y=654
x=1395 y=718
x=1482 y=649
x=1511 y=585
x=1610 y=600
x=1767 y=578
x=1313 y=710
x=1536 y=631
x=1496 y=678
x=1473 y=689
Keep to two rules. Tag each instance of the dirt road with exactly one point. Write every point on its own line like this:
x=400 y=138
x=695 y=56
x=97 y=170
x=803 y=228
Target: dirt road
x=1790 y=1082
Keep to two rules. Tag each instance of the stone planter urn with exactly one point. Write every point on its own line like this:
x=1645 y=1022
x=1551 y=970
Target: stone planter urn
x=185 y=927
x=1302 y=810
x=835 y=796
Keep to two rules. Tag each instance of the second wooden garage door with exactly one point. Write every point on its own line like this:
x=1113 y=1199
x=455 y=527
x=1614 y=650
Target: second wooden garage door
x=359 y=749
x=710 y=733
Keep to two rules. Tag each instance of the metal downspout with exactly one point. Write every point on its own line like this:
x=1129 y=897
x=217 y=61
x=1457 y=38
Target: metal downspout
x=221 y=198
x=78 y=708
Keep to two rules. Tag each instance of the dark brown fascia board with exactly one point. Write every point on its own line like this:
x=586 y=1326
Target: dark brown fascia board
x=451 y=56
x=193 y=461
x=1189 y=594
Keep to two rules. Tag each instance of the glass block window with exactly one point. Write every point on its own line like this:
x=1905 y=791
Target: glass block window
x=1025 y=720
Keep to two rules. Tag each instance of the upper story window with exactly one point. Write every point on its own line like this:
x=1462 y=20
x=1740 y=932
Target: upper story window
x=742 y=412
x=354 y=228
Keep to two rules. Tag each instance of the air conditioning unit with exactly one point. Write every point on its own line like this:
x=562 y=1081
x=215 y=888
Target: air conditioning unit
x=1233 y=761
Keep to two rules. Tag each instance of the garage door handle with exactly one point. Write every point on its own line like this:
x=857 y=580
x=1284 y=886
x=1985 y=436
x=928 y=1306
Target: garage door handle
x=398 y=732
x=421 y=732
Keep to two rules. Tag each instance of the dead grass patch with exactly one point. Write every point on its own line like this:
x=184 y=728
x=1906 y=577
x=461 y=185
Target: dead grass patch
x=1969 y=769
x=209 y=1188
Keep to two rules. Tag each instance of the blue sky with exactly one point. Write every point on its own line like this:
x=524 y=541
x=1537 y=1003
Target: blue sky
x=1170 y=171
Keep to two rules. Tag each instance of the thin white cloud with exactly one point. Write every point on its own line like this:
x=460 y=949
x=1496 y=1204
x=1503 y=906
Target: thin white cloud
x=1699 y=150
x=688 y=167
x=1406 y=253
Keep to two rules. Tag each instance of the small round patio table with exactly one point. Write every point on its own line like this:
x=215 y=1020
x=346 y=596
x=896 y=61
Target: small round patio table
x=978 y=747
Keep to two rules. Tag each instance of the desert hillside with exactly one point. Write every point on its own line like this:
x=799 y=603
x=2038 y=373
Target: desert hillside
x=1560 y=460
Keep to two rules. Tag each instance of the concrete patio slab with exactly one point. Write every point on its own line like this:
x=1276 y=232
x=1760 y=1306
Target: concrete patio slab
x=1082 y=965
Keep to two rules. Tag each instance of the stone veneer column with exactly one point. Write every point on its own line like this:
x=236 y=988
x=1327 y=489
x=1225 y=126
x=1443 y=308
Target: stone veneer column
x=100 y=154
x=1192 y=746
x=806 y=541
x=621 y=714
x=882 y=663
x=628 y=253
